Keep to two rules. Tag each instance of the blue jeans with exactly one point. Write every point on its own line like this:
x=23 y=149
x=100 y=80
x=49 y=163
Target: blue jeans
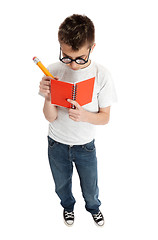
x=61 y=158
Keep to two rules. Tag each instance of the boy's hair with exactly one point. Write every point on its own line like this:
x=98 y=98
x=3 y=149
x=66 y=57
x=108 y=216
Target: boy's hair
x=77 y=31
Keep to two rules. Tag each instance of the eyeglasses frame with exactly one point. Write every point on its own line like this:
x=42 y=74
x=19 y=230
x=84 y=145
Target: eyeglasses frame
x=74 y=60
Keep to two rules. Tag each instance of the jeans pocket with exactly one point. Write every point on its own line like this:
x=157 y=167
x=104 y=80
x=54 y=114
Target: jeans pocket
x=89 y=147
x=51 y=142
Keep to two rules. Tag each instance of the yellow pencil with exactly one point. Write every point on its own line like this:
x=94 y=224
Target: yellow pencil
x=42 y=67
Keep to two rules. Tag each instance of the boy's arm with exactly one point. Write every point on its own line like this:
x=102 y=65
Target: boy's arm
x=50 y=110
x=81 y=115
x=100 y=118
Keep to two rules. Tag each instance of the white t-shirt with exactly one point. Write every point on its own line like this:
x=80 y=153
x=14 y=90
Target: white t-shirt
x=67 y=131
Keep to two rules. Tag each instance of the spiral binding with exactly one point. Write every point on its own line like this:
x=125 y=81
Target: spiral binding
x=74 y=94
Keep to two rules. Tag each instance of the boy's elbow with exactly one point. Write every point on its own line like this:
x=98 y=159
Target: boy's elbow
x=105 y=122
x=106 y=119
x=49 y=118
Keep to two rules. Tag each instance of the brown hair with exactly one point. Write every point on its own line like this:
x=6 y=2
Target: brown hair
x=76 y=31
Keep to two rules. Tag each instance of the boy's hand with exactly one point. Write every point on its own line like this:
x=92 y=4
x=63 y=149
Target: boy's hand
x=45 y=86
x=78 y=114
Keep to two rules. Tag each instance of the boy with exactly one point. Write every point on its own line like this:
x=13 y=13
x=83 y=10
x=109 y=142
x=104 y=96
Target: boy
x=71 y=131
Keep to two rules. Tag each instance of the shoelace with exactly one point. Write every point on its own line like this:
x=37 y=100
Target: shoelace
x=69 y=215
x=98 y=216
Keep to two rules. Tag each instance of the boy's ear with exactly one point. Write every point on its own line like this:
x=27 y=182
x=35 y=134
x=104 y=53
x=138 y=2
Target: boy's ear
x=93 y=47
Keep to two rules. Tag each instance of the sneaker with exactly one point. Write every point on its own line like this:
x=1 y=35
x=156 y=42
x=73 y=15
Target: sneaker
x=68 y=218
x=98 y=218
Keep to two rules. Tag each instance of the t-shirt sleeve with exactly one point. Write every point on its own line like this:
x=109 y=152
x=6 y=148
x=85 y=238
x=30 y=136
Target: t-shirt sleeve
x=107 y=94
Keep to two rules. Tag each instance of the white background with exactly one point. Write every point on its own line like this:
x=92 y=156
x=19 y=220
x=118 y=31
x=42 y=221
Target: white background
x=127 y=44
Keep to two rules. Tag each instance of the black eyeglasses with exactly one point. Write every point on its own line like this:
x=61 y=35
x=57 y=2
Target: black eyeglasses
x=78 y=60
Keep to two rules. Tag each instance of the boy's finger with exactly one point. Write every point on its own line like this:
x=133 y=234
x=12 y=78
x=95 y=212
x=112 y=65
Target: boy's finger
x=44 y=84
x=56 y=78
x=46 y=78
x=44 y=87
x=74 y=103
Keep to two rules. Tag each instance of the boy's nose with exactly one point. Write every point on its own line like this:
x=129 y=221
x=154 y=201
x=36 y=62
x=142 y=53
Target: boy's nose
x=74 y=65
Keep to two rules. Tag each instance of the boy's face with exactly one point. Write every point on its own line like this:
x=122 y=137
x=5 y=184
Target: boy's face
x=82 y=53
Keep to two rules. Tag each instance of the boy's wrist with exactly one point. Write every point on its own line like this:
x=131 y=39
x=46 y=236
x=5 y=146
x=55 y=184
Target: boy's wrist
x=48 y=99
x=48 y=102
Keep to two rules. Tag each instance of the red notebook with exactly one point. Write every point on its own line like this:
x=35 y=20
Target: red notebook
x=81 y=92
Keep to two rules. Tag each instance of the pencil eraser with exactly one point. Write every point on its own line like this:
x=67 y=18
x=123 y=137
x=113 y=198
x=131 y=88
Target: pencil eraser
x=34 y=58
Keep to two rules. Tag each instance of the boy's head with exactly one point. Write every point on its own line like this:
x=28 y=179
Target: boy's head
x=77 y=31
x=76 y=36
